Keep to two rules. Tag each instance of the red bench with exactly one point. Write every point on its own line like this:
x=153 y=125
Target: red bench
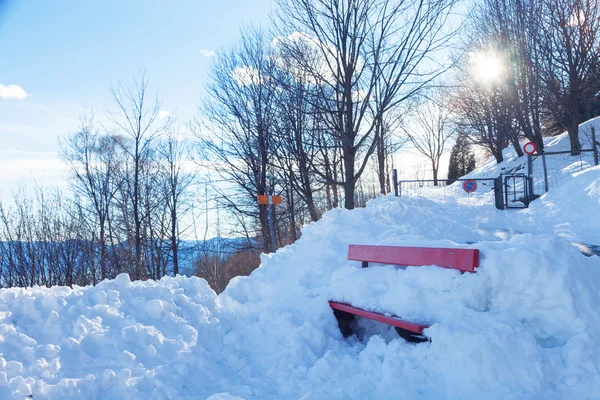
x=465 y=260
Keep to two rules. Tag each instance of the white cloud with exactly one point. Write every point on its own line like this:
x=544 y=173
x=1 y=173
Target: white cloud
x=207 y=53
x=315 y=55
x=11 y=92
x=164 y=114
x=247 y=76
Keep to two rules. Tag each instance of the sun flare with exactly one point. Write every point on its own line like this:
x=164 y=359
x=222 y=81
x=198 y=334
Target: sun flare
x=487 y=66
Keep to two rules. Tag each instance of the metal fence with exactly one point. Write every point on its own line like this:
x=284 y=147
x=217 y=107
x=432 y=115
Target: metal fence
x=515 y=188
x=548 y=169
x=421 y=187
x=488 y=189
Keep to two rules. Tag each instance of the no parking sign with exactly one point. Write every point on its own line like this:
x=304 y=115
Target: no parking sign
x=469 y=185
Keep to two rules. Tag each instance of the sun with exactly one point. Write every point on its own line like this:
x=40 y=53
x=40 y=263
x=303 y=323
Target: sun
x=487 y=66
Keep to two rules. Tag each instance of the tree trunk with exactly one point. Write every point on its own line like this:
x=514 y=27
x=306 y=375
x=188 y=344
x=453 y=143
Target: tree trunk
x=312 y=209
x=328 y=182
x=498 y=156
x=381 y=156
x=174 y=246
x=574 y=140
x=102 y=251
x=539 y=144
x=264 y=228
x=138 y=274
x=308 y=193
x=574 y=118
x=336 y=197
x=334 y=186
x=389 y=166
x=292 y=211
x=349 y=183
x=516 y=145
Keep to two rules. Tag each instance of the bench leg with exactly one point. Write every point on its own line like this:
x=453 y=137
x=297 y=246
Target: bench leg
x=411 y=336
x=345 y=322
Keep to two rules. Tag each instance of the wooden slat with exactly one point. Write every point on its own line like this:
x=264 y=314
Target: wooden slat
x=461 y=259
x=394 y=321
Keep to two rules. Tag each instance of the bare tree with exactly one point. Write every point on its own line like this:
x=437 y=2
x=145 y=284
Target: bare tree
x=175 y=153
x=45 y=239
x=358 y=44
x=510 y=30
x=129 y=196
x=570 y=48
x=388 y=143
x=91 y=158
x=296 y=136
x=432 y=130
x=240 y=126
x=136 y=119
x=526 y=68
x=484 y=116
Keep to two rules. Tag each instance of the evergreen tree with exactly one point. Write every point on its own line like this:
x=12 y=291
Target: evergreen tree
x=462 y=159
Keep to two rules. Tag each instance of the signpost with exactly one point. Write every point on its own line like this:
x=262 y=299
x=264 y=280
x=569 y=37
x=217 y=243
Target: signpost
x=530 y=148
x=469 y=185
x=270 y=201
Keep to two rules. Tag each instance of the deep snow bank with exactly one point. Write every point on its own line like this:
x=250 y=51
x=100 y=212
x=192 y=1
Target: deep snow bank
x=526 y=325
x=573 y=208
x=559 y=166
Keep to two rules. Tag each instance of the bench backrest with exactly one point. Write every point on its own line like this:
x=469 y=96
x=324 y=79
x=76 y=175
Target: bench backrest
x=461 y=259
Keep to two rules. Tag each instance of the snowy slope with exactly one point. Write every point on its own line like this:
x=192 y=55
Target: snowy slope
x=572 y=208
x=560 y=167
x=524 y=326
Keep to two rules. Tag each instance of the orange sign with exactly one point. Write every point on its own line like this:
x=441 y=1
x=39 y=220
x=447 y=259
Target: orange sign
x=269 y=199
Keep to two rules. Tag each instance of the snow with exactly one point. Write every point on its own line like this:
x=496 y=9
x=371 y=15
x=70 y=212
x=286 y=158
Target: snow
x=559 y=166
x=580 y=194
x=560 y=170
x=526 y=325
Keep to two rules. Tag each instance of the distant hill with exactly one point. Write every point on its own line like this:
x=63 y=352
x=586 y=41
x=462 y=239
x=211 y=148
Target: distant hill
x=189 y=250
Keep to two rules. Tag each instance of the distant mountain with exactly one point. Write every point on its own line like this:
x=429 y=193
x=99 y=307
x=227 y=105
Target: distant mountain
x=189 y=250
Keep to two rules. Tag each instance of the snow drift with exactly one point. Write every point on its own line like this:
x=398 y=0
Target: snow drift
x=526 y=325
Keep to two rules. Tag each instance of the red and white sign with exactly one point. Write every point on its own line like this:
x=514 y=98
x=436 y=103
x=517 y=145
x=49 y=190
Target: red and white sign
x=529 y=148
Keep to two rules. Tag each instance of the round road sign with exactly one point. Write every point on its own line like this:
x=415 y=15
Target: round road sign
x=529 y=148
x=469 y=185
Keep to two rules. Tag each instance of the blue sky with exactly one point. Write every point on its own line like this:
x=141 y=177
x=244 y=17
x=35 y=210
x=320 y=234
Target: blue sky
x=66 y=54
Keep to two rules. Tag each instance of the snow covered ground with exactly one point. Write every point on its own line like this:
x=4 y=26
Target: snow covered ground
x=526 y=325
x=559 y=166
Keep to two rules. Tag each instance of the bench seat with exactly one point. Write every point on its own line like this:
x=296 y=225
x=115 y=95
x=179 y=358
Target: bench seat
x=390 y=320
x=464 y=260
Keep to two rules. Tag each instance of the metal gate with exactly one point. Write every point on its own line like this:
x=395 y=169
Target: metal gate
x=516 y=191
x=510 y=191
